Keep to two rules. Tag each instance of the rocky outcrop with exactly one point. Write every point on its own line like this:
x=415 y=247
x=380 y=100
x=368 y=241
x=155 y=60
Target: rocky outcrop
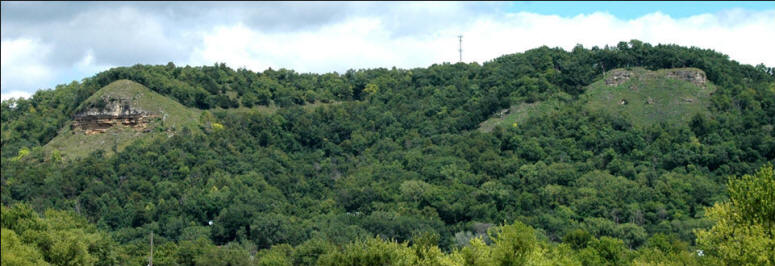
x=694 y=76
x=109 y=113
x=617 y=77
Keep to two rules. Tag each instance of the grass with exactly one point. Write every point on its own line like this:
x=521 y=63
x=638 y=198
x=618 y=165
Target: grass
x=175 y=114
x=519 y=113
x=650 y=98
x=77 y=145
x=173 y=117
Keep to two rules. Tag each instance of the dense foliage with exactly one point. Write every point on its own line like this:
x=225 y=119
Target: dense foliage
x=389 y=168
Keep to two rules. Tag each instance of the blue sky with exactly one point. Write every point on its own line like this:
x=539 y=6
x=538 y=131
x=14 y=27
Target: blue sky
x=50 y=43
x=634 y=9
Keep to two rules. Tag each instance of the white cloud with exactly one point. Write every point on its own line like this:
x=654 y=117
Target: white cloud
x=368 y=42
x=745 y=36
x=23 y=64
x=41 y=55
x=15 y=94
x=87 y=66
x=26 y=67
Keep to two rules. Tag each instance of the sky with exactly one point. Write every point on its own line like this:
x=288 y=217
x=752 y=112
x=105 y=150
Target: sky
x=49 y=43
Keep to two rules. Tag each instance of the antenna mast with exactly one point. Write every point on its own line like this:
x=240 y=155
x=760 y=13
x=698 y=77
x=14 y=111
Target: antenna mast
x=460 y=47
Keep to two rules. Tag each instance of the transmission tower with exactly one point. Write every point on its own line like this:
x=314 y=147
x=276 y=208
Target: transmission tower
x=460 y=47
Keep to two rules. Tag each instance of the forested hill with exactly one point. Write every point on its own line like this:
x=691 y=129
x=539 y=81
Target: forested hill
x=289 y=168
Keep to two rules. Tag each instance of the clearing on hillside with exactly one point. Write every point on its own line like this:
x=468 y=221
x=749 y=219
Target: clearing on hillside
x=519 y=113
x=646 y=97
x=638 y=95
x=118 y=114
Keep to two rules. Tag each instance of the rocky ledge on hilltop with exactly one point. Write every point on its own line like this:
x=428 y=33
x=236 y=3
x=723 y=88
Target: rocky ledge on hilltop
x=110 y=113
x=617 y=77
x=695 y=76
x=691 y=75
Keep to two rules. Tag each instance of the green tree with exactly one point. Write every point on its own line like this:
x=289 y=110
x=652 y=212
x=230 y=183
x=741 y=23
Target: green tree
x=16 y=252
x=577 y=239
x=373 y=251
x=371 y=89
x=743 y=233
x=62 y=238
x=513 y=244
x=230 y=254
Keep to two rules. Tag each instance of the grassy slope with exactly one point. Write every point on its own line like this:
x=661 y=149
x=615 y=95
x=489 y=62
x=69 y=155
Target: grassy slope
x=518 y=113
x=74 y=144
x=672 y=101
x=668 y=97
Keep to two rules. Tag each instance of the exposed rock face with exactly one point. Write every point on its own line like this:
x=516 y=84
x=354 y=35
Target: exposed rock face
x=617 y=77
x=503 y=112
x=115 y=112
x=690 y=75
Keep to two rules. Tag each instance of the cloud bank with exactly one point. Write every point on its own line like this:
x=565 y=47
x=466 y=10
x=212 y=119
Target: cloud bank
x=47 y=44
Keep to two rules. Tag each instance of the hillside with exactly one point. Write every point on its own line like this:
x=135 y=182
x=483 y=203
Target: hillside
x=639 y=96
x=117 y=115
x=519 y=113
x=390 y=166
x=125 y=111
x=646 y=97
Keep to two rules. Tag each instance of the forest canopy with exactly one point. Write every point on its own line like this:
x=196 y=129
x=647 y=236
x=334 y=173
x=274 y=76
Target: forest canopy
x=388 y=166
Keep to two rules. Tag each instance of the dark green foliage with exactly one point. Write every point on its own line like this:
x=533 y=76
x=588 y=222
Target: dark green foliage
x=395 y=154
x=577 y=238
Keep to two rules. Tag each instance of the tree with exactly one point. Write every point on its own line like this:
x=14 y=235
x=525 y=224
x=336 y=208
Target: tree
x=513 y=244
x=372 y=251
x=230 y=254
x=268 y=229
x=16 y=252
x=578 y=238
x=61 y=238
x=743 y=233
x=414 y=190
x=371 y=89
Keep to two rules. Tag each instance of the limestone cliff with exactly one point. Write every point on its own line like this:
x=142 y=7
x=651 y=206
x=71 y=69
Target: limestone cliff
x=697 y=77
x=617 y=76
x=111 y=112
x=119 y=114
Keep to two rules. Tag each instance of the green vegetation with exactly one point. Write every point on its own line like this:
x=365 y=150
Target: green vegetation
x=78 y=145
x=744 y=233
x=645 y=98
x=58 y=238
x=519 y=113
x=270 y=109
x=173 y=118
x=175 y=115
x=388 y=166
x=650 y=97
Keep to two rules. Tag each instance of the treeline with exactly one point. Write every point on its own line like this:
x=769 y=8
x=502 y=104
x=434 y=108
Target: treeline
x=743 y=235
x=530 y=76
x=398 y=158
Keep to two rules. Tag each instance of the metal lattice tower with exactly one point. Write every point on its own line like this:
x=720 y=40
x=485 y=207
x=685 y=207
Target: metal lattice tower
x=460 y=47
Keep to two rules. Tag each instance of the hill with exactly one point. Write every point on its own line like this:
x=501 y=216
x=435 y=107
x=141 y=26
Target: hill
x=519 y=113
x=638 y=95
x=320 y=169
x=117 y=115
x=647 y=97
